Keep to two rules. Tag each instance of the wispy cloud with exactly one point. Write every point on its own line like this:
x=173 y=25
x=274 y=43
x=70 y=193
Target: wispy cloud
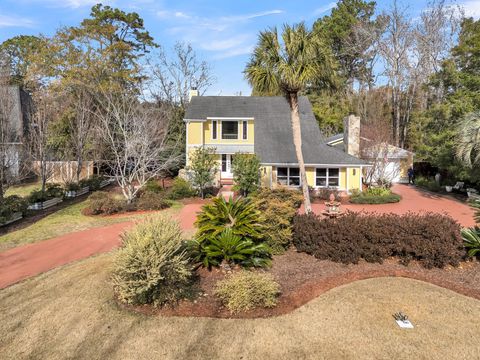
x=72 y=4
x=324 y=9
x=224 y=35
x=15 y=21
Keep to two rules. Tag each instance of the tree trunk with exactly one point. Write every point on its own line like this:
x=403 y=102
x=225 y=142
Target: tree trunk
x=297 y=141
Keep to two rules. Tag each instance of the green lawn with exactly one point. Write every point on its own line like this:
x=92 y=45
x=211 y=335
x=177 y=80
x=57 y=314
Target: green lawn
x=23 y=190
x=69 y=219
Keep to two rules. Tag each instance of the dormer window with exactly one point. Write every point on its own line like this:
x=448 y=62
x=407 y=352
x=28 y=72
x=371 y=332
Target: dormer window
x=230 y=130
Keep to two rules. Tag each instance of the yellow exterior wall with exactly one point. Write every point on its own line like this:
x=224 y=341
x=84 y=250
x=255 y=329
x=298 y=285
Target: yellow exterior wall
x=208 y=134
x=310 y=176
x=354 y=175
x=194 y=133
x=266 y=175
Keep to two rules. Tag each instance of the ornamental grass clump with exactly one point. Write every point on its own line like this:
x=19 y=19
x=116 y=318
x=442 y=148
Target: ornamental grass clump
x=152 y=266
x=247 y=290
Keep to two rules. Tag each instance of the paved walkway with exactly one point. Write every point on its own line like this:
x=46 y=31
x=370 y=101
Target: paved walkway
x=29 y=260
x=416 y=200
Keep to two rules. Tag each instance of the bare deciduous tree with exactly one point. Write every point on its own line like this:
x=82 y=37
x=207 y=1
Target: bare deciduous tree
x=135 y=136
x=411 y=52
x=174 y=76
x=12 y=152
x=46 y=107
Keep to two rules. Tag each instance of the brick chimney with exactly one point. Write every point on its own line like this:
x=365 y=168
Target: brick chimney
x=351 y=135
x=193 y=92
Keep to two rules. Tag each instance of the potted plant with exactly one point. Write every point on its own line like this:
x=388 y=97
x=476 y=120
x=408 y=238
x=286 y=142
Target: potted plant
x=448 y=185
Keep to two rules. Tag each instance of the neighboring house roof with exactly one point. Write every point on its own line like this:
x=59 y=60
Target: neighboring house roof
x=273 y=130
x=394 y=152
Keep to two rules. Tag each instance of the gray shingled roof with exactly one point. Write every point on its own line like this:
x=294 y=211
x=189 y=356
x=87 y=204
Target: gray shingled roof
x=273 y=131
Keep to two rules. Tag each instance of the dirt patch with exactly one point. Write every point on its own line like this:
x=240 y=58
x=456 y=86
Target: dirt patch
x=303 y=278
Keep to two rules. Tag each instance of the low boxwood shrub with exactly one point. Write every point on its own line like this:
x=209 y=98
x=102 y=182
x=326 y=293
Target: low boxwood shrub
x=51 y=191
x=247 y=290
x=180 y=189
x=93 y=182
x=432 y=239
x=375 y=195
x=11 y=205
x=152 y=266
x=278 y=207
x=429 y=184
x=152 y=186
x=152 y=201
x=102 y=203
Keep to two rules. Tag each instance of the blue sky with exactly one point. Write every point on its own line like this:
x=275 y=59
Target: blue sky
x=222 y=32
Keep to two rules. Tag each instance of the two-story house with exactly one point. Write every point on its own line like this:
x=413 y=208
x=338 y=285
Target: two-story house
x=262 y=125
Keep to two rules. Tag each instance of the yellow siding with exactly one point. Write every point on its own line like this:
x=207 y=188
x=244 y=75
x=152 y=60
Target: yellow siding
x=194 y=132
x=266 y=173
x=310 y=176
x=208 y=134
x=354 y=178
x=343 y=178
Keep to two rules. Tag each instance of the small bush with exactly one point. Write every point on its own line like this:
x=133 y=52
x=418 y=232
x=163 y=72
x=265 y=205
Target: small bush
x=71 y=186
x=51 y=191
x=241 y=215
x=429 y=184
x=278 y=207
x=152 y=267
x=248 y=290
x=432 y=239
x=101 y=202
x=375 y=196
x=93 y=182
x=230 y=248
x=152 y=201
x=11 y=205
x=180 y=189
x=152 y=186
x=324 y=194
x=246 y=173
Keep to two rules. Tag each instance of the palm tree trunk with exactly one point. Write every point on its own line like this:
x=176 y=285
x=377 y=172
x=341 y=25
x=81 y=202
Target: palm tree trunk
x=297 y=141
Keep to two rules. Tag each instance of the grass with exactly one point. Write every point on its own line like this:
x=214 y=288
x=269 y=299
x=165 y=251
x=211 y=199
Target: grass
x=375 y=199
x=23 y=190
x=69 y=313
x=69 y=219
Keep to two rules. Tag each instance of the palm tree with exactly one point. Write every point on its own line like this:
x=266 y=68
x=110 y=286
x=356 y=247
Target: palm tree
x=287 y=67
x=468 y=139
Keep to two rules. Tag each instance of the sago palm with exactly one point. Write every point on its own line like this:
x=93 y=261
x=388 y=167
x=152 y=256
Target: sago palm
x=471 y=240
x=241 y=215
x=468 y=139
x=288 y=66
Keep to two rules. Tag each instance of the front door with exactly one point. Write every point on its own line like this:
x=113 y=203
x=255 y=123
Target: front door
x=227 y=166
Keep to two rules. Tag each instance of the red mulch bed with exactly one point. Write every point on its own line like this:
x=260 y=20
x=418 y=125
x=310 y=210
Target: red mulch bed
x=303 y=278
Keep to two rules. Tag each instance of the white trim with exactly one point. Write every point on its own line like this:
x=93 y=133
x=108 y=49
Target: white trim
x=186 y=142
x=346 y=179
x=318 y=165
x=327 y=178
x=229 y=118
x=288 y=176
x=195 y=120
x=238 y=131
x=216 y=130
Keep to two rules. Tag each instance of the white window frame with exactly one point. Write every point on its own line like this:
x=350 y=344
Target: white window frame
x=238 y=129
x=288 y=176
x=214 y=132
x=327 y=178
